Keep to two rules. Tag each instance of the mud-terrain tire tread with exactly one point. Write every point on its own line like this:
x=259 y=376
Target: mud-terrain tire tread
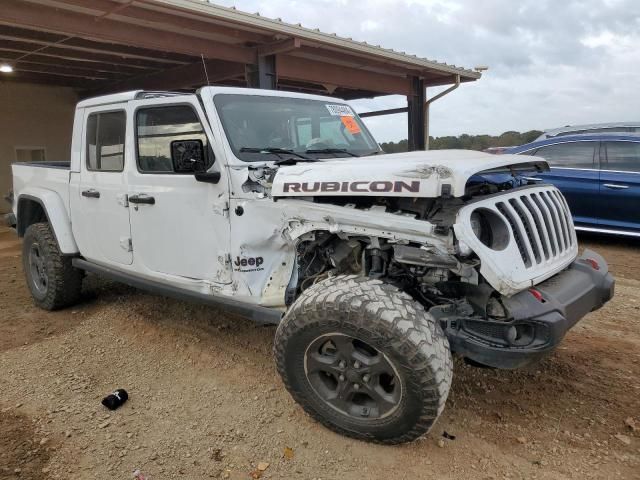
x=383 y=311
x=65 y=281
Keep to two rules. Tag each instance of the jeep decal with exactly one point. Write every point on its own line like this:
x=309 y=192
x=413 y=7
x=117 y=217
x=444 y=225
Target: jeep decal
x=248 y=264
x=380 y=186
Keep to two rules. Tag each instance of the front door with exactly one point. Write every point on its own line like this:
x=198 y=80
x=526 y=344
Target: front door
x=619 y=208
x=180 y=226
x=102 y=229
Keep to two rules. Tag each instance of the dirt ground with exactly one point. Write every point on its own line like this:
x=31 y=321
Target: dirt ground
x=206 y=401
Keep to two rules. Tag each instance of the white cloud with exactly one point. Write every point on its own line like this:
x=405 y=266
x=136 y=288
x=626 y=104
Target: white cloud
x=551 y=63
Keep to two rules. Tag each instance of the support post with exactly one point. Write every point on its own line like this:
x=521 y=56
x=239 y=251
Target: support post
x=263 y=73
x=428 y=102
x=415 y=122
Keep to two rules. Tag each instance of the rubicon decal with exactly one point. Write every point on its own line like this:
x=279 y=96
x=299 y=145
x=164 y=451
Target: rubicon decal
x=381 y=186
x=248 y=264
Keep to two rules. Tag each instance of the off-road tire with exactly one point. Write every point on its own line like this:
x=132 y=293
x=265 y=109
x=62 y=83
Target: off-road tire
x=387 y=319
x=64 y=282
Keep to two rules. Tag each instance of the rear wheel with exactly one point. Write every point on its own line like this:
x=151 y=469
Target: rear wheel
x=54 y=283
x=364 y=359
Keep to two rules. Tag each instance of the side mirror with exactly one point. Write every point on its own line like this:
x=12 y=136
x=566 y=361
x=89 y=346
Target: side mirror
x=187 y=156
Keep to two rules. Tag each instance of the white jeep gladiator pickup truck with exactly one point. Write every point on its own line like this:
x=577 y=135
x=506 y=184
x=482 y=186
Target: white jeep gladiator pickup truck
x=282 y=207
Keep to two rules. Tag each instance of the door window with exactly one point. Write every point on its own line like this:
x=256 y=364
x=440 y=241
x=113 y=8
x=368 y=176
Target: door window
x=569 y=155
x=623 y=156
x=105 y=141
x=158 y=127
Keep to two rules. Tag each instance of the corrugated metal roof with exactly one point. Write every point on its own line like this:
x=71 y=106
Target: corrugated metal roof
x=277 y=26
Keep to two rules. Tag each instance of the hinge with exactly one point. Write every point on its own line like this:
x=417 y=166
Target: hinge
x=126 y=244
x=222 y=209
x=123 y=199
x=224 y=259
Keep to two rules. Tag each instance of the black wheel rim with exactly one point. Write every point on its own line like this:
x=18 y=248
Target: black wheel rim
x=38 y=269
x=352 y=377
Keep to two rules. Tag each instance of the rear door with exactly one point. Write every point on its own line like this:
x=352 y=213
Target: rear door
x=619 y=208
x=574 y=171
x=101 y=216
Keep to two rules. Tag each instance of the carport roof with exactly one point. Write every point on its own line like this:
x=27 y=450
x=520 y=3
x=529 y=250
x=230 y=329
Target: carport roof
x=107 y=45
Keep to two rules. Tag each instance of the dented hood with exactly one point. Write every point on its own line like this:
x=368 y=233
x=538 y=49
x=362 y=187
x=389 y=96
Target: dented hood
x=410 y=174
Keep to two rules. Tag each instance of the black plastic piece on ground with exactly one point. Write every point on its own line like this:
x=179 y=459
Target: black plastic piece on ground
x=116 y=399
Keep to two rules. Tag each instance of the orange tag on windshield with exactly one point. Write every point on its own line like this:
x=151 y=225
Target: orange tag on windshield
x=351 y=124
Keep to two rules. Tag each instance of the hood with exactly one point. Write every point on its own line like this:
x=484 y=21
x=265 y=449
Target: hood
x=410 y=174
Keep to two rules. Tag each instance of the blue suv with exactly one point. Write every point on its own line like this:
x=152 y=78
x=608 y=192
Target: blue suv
x=599 y=174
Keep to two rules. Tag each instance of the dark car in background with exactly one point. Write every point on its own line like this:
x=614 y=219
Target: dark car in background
x=599 y=174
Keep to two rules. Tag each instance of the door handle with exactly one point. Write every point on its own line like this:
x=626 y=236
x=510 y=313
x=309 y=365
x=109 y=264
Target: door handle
x=142 y=199
x=91 y=193
x=615 y=186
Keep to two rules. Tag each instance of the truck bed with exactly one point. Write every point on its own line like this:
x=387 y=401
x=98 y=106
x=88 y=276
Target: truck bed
x=30 y=178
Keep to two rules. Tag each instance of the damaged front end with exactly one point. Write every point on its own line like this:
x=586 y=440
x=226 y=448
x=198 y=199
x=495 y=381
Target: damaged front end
x=467 y=244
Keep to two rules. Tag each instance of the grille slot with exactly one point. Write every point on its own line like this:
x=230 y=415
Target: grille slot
x=517 y=233
x=541 y=225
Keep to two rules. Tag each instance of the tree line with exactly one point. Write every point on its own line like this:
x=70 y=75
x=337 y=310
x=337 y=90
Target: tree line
x=469 y=142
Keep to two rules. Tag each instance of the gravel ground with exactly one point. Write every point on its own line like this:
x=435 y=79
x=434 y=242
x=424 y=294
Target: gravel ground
x=206 y=401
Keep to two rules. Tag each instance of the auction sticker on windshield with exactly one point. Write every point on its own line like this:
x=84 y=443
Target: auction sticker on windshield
x=340 y=110
x=351 y=124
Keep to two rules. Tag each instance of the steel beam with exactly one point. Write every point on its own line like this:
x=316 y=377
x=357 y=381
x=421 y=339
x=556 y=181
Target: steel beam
x=187 y=76
x=28 y=15
x=389 y=111
x=64 y=71
x=39 y=59
x=148 y=13
x=263 y=73
x=47 y=79
x=415 y=105
x=282 y=46
x=116 y=52
x=302 y=69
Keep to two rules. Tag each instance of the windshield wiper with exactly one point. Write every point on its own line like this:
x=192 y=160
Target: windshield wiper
x=331 y=150
x=275 y=151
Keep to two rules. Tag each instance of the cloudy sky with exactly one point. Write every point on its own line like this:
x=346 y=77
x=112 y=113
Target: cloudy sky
x=551 y=62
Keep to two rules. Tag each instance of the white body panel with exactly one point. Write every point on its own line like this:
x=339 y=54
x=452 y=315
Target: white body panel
x=224 y=239
x=50 y=187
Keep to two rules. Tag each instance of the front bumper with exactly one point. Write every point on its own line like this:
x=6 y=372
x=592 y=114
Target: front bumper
x=535 y=325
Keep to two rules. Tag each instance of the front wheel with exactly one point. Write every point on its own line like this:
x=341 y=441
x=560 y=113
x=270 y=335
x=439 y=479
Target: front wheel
x=364 y=359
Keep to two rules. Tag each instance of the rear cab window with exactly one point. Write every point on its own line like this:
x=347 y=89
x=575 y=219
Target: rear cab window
x=105 y=141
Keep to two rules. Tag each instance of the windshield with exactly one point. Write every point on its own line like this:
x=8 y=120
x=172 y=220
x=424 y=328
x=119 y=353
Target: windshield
x=264 y=127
